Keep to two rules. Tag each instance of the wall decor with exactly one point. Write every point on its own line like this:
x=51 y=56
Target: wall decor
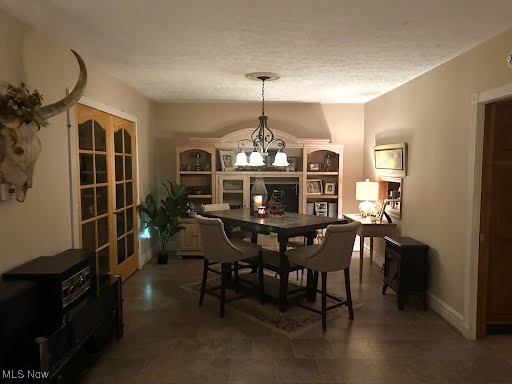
x=330 y=188
x=391 y=159
x=227 y=160
x=293 y=164
x=315 y=187
x=314 y=167
x=21 y=117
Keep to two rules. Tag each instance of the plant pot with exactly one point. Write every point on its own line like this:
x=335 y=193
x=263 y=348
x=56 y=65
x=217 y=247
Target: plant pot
x=162 y=257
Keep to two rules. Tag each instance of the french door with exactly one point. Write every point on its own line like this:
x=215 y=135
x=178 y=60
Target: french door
x=107 y=189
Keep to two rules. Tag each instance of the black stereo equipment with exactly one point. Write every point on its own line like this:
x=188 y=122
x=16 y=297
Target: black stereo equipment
x=63 y=282
x=18 y=314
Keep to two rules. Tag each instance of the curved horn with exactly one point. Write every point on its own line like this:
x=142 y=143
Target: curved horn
x=60 y=106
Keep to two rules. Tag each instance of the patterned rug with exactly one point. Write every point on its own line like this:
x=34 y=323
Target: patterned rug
x=292 y=323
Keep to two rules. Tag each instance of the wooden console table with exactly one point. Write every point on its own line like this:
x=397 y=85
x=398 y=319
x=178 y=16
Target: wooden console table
x=371 y=230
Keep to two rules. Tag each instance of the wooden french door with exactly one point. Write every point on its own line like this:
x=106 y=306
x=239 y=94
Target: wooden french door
x=107 y=189
x=495 y=256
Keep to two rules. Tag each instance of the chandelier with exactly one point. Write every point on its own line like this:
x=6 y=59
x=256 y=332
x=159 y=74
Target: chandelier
x=262 y=137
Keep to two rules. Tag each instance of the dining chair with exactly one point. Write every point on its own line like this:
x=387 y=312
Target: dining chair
x=334 y=253
x=236 y=233
x=219 y=249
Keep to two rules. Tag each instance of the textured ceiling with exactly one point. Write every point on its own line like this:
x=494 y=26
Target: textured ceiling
x=325 y=50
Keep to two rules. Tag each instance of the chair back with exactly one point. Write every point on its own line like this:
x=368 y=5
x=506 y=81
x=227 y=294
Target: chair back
x=335 y=252
x=216 y=245
x=215 y=207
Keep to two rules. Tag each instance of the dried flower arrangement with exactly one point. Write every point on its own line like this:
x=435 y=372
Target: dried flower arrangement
x=21 y=104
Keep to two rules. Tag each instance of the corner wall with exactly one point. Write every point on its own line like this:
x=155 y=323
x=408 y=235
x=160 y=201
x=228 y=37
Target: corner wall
x=42 y=224
x=433 y=114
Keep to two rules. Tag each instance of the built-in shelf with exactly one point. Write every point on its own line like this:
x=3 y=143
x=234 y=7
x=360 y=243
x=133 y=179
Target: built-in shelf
x=233 y=191
x=322 y=173
x=199 y=196
x=263 y=173
x=313 y=196
x=195 y=172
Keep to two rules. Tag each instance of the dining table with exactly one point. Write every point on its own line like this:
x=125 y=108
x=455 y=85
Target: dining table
x=291 y=224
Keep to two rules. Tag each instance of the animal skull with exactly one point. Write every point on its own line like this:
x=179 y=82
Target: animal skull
x=19 y=144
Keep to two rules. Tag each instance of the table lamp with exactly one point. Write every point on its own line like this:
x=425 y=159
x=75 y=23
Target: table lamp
x=367 y=192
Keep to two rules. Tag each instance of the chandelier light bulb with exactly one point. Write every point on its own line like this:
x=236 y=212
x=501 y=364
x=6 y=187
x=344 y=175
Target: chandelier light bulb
x=256 y=160
x=281 y=160
x=241 y=159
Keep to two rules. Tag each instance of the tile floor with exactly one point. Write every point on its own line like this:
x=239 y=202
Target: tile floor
x=170 y=340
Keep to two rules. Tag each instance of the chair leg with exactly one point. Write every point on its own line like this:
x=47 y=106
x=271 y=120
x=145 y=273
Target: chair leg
x=237 y=280
x=203 y=281
x=223 y=289
x=349 y=294
x=324 y=301
x=309 y=284
x=315 y=286
x=261 y=278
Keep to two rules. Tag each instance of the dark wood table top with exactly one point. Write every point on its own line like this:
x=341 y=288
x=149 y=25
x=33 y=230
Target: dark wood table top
x=291 y=223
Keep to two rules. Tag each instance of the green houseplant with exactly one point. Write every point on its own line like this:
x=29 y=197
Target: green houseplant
x=165 y=219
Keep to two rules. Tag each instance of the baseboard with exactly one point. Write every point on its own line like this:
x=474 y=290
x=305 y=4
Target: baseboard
x=146 y=256
x=377 y=259
x=449 y=314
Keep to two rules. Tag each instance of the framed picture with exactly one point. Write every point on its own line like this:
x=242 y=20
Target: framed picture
x=227 y=160
x=314 y=167
x=314 y=187
x=391 y=159
x=330 y=188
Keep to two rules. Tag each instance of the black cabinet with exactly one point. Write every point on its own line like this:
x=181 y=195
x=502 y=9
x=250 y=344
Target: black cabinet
x=406 y=268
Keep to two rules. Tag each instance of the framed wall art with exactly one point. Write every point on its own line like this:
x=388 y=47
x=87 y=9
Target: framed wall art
x=227 y=160
x=391 y=159
x=330 y=188
x=314 y=187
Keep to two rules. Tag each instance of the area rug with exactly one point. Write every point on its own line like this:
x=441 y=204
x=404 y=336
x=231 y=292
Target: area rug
x=293 y=322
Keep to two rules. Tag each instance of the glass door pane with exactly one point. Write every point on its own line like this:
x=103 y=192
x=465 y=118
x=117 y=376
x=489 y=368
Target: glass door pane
x=124 y=193
x=94 y=189
x=233 y=192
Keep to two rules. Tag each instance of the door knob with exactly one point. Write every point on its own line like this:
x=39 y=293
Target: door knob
x=116 y=211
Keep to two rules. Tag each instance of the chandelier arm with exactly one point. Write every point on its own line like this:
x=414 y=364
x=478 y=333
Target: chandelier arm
x=280 y=143
x=241 y=144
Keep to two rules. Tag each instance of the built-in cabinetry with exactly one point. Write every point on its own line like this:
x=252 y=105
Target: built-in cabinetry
x=195 y=167
x=198 y=166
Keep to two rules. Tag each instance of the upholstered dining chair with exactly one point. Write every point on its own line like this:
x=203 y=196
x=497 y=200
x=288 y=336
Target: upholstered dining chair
x=218 y=248
x=334 y=253
x=236 y=233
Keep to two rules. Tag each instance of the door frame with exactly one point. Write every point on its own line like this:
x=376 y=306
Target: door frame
x=472 y=243
x=74 y=166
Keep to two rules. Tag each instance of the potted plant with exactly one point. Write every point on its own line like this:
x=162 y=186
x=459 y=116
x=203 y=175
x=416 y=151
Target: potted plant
x=165 y=220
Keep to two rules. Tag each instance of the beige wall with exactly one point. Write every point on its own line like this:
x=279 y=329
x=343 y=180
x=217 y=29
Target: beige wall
x=342 y=123
x=41 y=225
x=433 y=114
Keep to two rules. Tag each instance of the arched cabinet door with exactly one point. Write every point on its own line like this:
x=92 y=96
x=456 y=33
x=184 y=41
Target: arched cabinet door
x=106 y=190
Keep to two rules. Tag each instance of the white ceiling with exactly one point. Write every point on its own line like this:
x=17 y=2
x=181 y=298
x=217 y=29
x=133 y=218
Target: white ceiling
x=325 y=50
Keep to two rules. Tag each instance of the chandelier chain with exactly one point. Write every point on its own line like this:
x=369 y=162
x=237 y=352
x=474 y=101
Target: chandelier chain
x=263 y=97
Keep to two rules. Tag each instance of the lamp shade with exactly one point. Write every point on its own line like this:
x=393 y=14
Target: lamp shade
x=281 y=160
x=241 y=159
x=367 y=190
x=256 y=160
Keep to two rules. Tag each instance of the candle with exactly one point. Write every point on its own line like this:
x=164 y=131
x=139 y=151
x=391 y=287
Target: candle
x=258 y=201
